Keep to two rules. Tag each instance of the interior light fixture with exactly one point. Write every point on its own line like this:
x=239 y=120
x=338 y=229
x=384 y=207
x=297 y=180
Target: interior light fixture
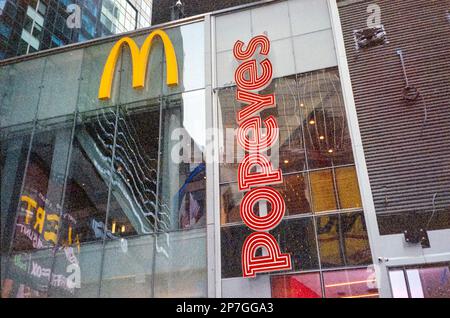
x=351 y=283
x=322 y=137
x=312 y=122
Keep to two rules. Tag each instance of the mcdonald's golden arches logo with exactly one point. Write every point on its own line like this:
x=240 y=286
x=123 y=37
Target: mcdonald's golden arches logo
x=139 y=59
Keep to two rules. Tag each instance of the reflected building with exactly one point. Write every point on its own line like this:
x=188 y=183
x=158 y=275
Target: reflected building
x=34 y=25
x=124 y=197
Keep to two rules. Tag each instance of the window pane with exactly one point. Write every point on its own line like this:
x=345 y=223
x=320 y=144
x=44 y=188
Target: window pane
x=353 y=283
x=322 y=189
x=230 y=200
x=326 y=133
x=17 y=107
x=133 y=197
x=435 y=281
x=343 y=240
x=39 y=213
x=293 y=236
x=296 y=286
x=40 y=208
x=288 y=153
x=295 y=191
x=72 y=263
x=180 y=268
x=182 y=182
x=28 y=274
x=94 y=59
x=28 y=23
x=188 y=41
x=127 y=267
x=14 y=144
x=87 y=185
x=60 y=84
x=37 y=31
x=290 y=117
x=348 y=189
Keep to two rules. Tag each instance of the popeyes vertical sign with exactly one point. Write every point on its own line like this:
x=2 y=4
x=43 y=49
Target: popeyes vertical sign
x=251 y=77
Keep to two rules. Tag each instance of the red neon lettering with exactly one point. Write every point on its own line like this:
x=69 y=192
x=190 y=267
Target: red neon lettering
x=269 y=221
x=252 y=81
x=266 y=176
x=254 y=142
x=256 y=103
x=244 y=54
x=258 y=142
x=274 y=261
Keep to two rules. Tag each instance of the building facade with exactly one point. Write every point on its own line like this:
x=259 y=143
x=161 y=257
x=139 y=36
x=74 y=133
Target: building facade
x=28 y=26
x=119 y=182
x=169 y=10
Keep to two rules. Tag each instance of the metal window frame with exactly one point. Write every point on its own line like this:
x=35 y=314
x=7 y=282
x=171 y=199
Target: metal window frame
x=387 y=250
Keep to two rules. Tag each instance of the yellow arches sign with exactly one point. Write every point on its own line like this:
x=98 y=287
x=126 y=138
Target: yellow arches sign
x=139 y=59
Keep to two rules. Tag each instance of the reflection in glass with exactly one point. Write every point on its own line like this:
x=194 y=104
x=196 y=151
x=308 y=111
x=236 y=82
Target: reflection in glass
x=94 y=58
x=14 y=143
x=40 y=201
x=295 y=237
x=230 y=203
x=347 y=188
x=89 y=173
x=180 y=267
x=231 y=240
x=343 y=240
x=352 y=283
x=188 y=42
x=29 y=275
x=290 y=117
x=60 y=82
x=335 y=188
x=181 y=189
x=435 y=281
x=127 y=269
x=295 y=191
x=325 y=127
x=423 y=281
x=296 y=286
x=132 y=205
x=322 y=189
x=15 y=79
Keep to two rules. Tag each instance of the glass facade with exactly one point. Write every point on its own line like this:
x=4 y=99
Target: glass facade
x=91 y=199
x=138 y=195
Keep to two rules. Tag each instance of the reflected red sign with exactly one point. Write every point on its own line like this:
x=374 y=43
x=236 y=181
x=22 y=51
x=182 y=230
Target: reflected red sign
x=251 y=76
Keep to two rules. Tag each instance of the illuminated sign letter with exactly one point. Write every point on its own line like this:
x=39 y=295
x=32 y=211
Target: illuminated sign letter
x=259 y=140
x=266 y=175
x=256 y=103
x=256 y=170
x=139 y=59
x=269 y=221
x=246 y=76
x=273 y=261
x=244 y=54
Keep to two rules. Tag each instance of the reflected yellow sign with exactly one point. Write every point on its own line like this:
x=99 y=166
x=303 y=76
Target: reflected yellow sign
x=139 y=59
